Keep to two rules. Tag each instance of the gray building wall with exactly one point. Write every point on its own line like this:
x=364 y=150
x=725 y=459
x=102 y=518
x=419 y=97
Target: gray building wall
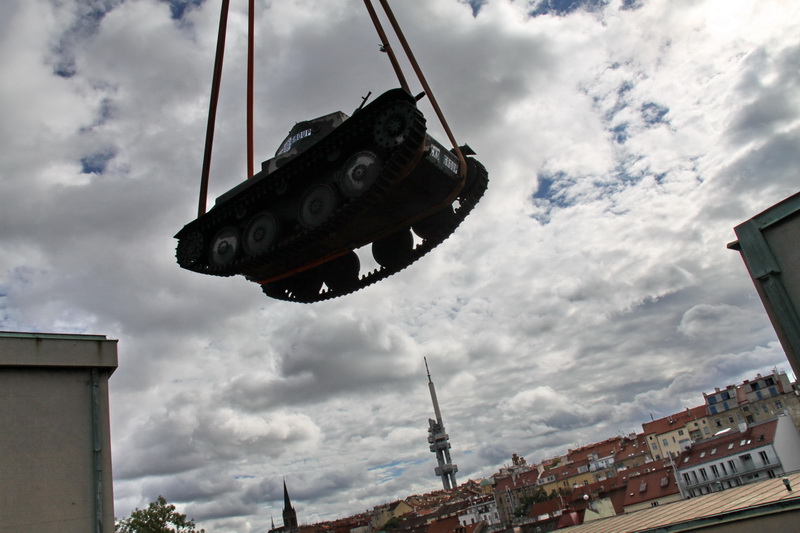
x=55 y=443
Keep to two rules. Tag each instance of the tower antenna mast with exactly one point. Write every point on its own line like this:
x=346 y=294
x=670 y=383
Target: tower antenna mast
x=439 y=440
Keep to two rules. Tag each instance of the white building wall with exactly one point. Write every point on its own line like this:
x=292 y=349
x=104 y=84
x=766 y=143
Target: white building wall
x=787 y=444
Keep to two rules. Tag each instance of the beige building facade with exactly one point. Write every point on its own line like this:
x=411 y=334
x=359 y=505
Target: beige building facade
x=55 y=443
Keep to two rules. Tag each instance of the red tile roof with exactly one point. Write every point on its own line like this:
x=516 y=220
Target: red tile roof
x=651 y=486
x=729 y=443
x=674 y=421
x=516 y=481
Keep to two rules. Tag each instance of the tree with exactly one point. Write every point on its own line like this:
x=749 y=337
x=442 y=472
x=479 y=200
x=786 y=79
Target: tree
x=159 y=517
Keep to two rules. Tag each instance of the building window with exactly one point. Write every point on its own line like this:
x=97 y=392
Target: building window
x=712 y=400
x=722 y=466
x=717 y=422
x=706 y=431
x=732 y=465
x=765 y=409
x=665 y=441
x=713 y=409
x=730 y=420
x=754 y=385
x=764 y=457
x=654 y=504
x=680 y=431
x=726 y=396
x=703 y=474
x=715 y=471
x=778 y=404
x=769 y=382
x=654 y=446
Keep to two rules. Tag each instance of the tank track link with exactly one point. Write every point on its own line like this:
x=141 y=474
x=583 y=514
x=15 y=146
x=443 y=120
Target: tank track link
x=348 y=138
x=477 y=182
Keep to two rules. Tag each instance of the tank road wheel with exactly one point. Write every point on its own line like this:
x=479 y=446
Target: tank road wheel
x=225 y=246
x=393 y=125
x=342 y=273
x=260 y=234
x=436 y=226
x=318 y=205
x=395 y=250
x=190 y=249
x=358 y=173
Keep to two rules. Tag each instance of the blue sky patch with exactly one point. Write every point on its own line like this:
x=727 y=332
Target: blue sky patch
x=653 y=113
x=96 y=163
x=476 y=5
x=86 y=23
x=620 y=133
x=178 y=8
x=551 y=189
x=565 y=7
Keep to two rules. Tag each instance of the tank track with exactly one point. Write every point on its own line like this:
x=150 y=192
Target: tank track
x=477 y=183
x=348 y=138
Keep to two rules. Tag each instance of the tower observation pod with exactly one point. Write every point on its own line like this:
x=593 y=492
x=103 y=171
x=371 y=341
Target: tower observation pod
x=439 y=441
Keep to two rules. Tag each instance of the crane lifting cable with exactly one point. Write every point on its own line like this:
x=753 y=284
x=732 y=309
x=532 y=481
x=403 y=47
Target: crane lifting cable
x=336 y=184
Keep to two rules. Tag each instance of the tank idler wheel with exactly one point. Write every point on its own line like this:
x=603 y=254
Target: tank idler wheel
x=225 y=246
x=436 y=226
x=190 y=249
x=342 y=273
x=393 y=125
x=359 y=173
x=394 y=250
x=306 y=284
x=318 y=204
x=261 y=233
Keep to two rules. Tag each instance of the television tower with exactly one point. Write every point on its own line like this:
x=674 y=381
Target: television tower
x=439 y=441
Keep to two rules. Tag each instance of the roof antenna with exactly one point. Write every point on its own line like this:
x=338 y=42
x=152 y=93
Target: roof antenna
x=363 y=101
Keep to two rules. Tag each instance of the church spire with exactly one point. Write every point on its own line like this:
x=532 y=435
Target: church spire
x=289 y=514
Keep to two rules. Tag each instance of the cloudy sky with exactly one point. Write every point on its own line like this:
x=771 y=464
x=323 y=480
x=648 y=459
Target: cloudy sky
x=590 y=289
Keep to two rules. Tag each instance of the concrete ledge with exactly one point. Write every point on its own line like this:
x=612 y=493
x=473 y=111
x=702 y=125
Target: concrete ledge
x=56 y=350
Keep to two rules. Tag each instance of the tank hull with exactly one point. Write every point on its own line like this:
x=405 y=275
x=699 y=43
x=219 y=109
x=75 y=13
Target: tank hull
x=293 y=229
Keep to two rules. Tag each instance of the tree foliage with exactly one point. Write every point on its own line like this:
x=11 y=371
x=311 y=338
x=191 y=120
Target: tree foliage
x=159 y=517
x=527 y=501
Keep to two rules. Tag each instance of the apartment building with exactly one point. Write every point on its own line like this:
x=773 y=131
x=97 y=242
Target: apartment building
x=753 y=401
x=668 y=436
x=511 y=490
x=480 y=509
x=734 y=458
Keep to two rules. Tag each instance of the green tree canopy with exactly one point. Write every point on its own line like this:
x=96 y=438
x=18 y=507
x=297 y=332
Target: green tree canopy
x=159 y=517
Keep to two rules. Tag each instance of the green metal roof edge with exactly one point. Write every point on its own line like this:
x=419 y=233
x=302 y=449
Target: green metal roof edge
x=54 y=336
x=783 y=209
